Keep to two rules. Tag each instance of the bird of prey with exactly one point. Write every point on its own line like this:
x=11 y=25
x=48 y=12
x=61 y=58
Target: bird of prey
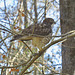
x=40 y=34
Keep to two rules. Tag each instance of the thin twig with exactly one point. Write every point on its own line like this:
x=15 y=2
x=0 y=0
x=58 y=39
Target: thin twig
x=28 y=47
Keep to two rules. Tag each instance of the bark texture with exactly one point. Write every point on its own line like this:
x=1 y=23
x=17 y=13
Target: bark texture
x=67 y=19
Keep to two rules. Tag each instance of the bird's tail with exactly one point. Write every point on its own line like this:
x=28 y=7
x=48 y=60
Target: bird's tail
x=16 y=37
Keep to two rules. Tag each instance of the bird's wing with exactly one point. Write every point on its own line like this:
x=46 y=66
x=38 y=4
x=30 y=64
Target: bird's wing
x=37 y=30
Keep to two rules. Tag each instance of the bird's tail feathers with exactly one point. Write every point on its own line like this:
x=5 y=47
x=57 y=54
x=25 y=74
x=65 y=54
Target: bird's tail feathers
x=16 y=37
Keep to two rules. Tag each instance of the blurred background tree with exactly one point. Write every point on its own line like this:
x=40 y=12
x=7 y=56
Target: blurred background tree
x=67 y=19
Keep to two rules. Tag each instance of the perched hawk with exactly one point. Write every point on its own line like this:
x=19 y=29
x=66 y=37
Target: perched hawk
x=38 y=33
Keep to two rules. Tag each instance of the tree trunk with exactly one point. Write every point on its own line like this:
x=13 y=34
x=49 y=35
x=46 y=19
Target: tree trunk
x=67 y=19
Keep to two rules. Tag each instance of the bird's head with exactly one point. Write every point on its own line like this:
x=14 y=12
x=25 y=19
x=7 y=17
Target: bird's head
x=49 y=21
